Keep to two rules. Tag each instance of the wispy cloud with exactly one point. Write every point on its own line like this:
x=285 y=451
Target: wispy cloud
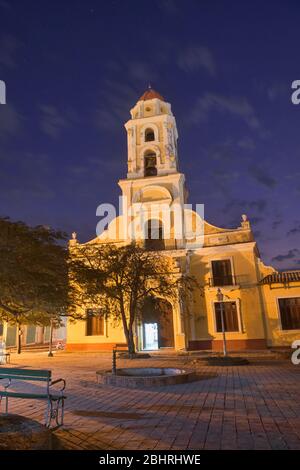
x=277 y=90
x=295 y=230
x=138 y=70
x=196 y=57
x=257 y=205
x=236 y=106
x=289 y=255
x=221 y=152
x=276 y=224
x=25 y=175
x=8 y=48
x=223 y=180
x=117 y=99
x=262 y=176
x=246 y=143
x=294 y=175
x=142 y=71
x=10 y=121
x=53 y=121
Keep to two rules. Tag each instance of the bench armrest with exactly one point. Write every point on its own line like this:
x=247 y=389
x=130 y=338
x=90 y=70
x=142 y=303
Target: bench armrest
x=8 y=384
x=57 y=381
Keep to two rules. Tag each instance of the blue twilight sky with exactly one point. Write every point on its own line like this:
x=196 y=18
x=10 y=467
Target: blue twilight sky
x=73 y=69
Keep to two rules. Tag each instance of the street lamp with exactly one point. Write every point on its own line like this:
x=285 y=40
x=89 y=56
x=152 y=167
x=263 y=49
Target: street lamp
x=50 y=353
x=220 y=298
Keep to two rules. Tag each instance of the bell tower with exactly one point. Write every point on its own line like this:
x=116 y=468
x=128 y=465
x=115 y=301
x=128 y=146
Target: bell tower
x=153 y=178
x=151 y=137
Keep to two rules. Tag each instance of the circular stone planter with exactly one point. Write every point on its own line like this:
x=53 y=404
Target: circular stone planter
x=20 y=433
x=126 y=355
x=226 y=361
x=138 y=377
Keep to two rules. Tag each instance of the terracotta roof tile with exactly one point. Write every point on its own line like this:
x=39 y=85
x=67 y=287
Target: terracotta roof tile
x=150 y=94
x=281 y=277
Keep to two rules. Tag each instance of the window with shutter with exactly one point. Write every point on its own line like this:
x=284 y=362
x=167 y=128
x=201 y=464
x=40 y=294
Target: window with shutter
x=231 y=321
x=222 y=274
x=94 y=322
x=290 y=313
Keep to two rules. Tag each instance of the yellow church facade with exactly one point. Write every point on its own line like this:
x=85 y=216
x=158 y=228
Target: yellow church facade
x=260 y=307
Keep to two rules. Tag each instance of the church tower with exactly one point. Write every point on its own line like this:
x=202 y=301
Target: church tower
x=152 y=137
x=153 y=175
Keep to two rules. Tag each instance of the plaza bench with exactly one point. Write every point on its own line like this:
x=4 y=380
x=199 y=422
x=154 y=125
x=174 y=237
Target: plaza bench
x=54 y=398
x=4 y=355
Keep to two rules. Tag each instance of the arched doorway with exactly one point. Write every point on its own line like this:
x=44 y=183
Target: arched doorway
x=150 y=164
x=154 y=235
x=157 y=324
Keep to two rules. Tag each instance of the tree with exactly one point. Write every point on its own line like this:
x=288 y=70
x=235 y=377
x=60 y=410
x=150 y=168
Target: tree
x=33 y=275
x=119 y=279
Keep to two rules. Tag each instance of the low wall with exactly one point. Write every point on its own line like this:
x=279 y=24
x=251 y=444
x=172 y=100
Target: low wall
x=232 y=345
x=73 y=347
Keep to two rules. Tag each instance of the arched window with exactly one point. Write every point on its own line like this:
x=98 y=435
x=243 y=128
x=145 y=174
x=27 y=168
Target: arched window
x=154 y=235
x=150 y=164
x=149 y=135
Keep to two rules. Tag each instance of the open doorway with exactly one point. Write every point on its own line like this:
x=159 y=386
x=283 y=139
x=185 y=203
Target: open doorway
x=150 y=336
x=157 y=324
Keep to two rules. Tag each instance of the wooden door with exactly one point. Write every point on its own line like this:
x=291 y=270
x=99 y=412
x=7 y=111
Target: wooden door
x=165 y=325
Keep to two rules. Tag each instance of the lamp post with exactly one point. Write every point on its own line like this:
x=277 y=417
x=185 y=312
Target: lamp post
x=19 y=338
x=220 y=298
x=50 y=353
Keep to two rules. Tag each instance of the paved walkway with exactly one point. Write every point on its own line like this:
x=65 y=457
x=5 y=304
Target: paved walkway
x=244 y=407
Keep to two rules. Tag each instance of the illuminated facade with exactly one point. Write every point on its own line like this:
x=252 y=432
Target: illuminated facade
x=30 y=335
x=258 y=311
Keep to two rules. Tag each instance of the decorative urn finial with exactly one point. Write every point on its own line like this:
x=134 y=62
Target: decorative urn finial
x=245 y=222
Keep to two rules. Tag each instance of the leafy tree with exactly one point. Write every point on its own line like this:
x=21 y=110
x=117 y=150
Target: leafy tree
x=33 y=275
x=119 y=279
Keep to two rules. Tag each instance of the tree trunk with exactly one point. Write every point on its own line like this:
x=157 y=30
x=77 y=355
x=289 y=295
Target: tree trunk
x=131 y=345
x=130 y=326
x=125 y=327
x=128 y=332
x=19 y=333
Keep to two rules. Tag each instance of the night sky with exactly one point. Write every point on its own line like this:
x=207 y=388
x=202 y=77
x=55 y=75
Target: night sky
x=73 y=69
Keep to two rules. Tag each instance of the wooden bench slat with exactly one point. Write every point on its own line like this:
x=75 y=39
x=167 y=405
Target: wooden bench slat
x=25 y=372
x=39 y=396
x=24 y=377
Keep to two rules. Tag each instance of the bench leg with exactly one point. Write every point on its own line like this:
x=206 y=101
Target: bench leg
x=62 y=410
x=54 y=411
x=48 y=414
x=6 y=404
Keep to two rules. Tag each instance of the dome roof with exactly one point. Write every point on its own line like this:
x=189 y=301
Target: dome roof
x=150 y=94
